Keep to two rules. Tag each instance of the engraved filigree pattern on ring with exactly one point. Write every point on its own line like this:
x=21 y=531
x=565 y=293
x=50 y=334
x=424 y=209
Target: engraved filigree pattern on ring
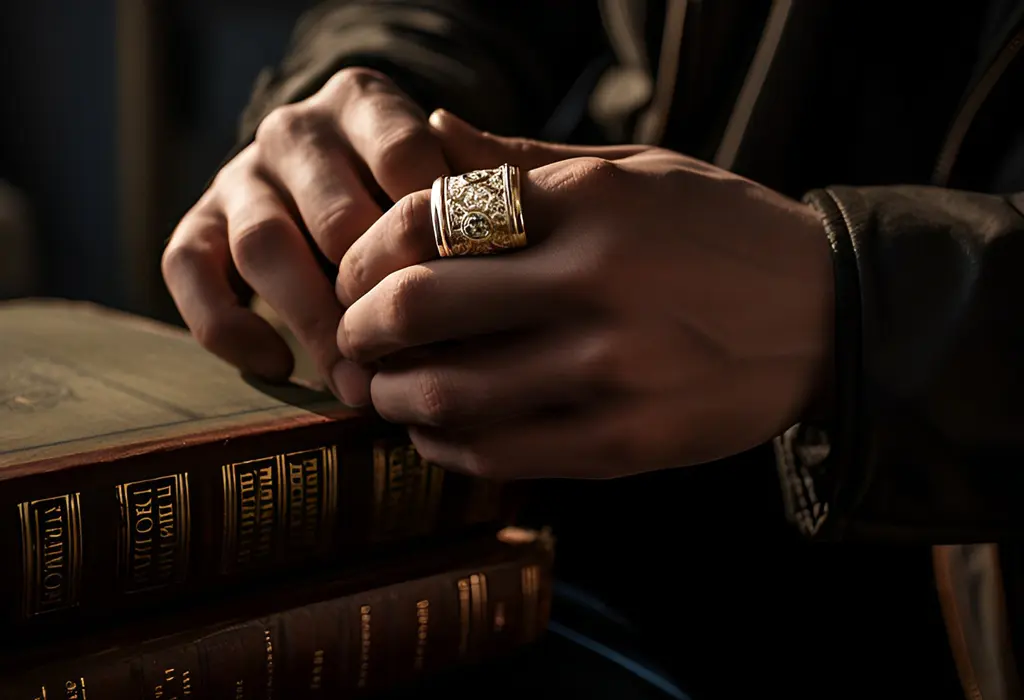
x=478 y=216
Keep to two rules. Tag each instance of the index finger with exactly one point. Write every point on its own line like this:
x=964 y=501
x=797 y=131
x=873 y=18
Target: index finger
x=402 y=237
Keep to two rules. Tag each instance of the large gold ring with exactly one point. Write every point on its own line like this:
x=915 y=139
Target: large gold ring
x=478 y=213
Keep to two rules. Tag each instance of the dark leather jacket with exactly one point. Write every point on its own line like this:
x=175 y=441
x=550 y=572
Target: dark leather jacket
x=898 y=125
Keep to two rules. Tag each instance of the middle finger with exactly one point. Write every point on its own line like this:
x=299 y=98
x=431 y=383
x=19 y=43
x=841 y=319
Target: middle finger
x=312 y=164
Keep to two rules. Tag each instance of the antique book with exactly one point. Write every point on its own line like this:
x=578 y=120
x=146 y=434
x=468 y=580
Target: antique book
x=382 y=629
x=136 y=470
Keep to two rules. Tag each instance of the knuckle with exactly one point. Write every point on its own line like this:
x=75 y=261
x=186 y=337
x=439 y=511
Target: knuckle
x=601 y=359
x=343 y=340
x=413 y=213
x=598 y=172
x=401 y=295
x=212 y=334
x=330 y=225
x=257 y=243
x=353 y=275
x=587 y=176
x=437 y=399
x=177 y=257
x=399 y=146
x=354 y=345
x=353 y=80
x=187 y=247
x=287 y=124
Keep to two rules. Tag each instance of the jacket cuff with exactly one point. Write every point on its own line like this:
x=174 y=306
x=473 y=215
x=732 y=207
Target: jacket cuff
x=822 y=465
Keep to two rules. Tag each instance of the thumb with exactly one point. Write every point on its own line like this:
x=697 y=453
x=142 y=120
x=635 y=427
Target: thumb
x=467 y=148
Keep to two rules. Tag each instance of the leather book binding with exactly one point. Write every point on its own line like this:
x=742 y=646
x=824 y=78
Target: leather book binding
x=136 y=469
x=360 y=638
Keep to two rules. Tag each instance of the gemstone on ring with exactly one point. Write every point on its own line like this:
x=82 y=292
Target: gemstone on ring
x=476 y=226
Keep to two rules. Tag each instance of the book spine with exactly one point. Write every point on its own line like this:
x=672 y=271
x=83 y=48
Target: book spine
x=364 y=643
x=153 y=528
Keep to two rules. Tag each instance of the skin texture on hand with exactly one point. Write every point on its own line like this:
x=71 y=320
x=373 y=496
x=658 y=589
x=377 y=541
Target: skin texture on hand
x=665 y=313
x=318 y=166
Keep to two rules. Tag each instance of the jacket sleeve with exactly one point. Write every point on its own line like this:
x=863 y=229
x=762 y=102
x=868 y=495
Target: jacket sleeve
x=927 y=443
x=501 y=65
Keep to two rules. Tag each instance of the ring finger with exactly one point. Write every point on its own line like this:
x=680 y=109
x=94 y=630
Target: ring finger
x=314 y=166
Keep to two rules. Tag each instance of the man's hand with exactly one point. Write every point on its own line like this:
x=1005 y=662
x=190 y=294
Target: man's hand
x=665 y=313
x=313 y=166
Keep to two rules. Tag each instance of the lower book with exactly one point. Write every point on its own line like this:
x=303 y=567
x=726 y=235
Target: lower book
x=384 y=629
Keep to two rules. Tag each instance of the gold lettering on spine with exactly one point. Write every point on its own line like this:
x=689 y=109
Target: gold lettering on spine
x=175 y=684
x=422 y=628
x=312 y=498
x=464 y=624
x=270 y=663
x=407 y=491
x=530 y=586
x=155 y=533
x=73 y=690
x=364 y=645
x=51 y=541
x=316 y=679
x=472 y=610
x=380 y=482
x=250 y=513
x=478 y=596
x=279 y=508
x=259 y=518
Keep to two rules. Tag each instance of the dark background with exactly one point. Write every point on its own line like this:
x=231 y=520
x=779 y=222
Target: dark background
x=114 y=114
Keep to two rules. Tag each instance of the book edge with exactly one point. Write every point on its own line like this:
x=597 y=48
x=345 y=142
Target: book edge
x=125 y=451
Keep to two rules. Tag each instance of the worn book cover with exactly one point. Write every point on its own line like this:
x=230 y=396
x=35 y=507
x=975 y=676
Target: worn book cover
x=136 y=468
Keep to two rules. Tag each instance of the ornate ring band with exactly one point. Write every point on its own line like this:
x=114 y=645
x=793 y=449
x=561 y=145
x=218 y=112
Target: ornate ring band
x=479 y=213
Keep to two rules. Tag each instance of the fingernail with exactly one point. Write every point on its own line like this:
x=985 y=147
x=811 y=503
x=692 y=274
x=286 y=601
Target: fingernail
x=351 y=384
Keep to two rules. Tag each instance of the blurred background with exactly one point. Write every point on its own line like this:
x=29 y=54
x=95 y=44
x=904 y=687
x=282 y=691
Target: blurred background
x=114 y=115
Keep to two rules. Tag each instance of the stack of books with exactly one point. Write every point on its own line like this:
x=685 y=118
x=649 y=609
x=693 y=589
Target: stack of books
x=171 y=529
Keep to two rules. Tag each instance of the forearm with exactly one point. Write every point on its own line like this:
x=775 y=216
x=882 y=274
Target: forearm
x=928 y=438
x=502 y=66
